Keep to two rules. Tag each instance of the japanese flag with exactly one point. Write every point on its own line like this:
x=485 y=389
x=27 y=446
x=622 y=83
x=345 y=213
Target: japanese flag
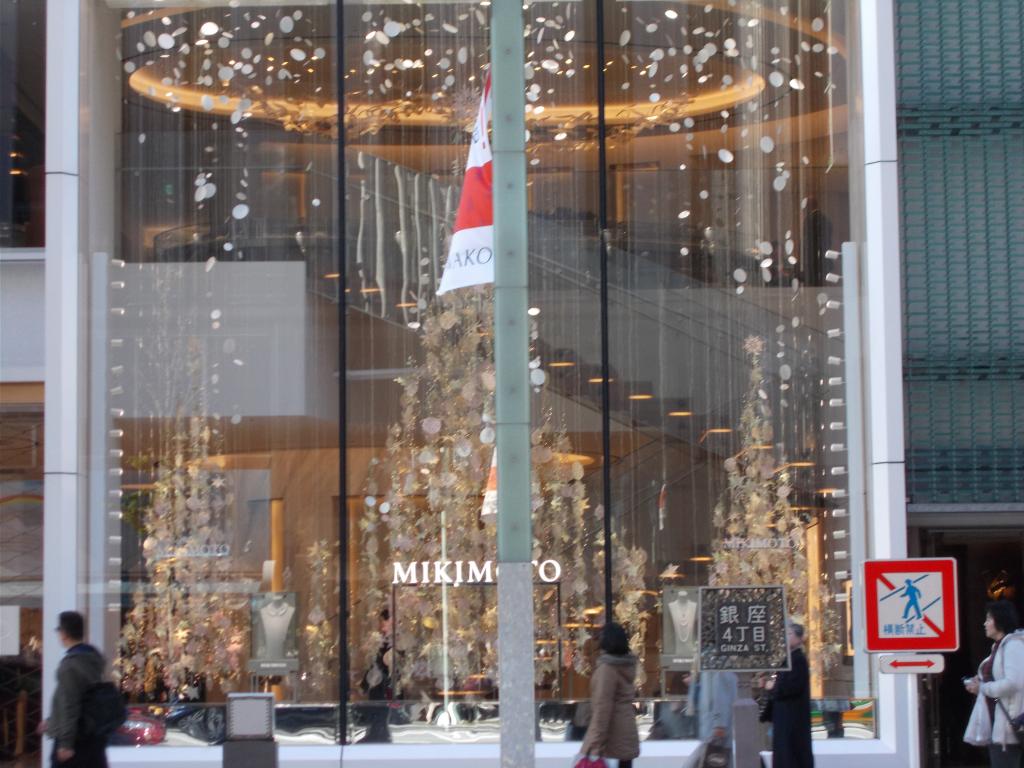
x=471 y=253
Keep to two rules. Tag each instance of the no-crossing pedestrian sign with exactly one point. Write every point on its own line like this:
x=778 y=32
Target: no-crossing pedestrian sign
x=911 y=605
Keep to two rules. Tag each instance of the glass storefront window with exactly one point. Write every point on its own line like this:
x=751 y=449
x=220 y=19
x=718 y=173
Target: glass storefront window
x=249 y=505
x=218 y=408
x=725 y=179
x=727 y=183
x=22 y=122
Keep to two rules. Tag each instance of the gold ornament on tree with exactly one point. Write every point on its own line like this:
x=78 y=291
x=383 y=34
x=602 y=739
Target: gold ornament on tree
x=320 y=633
x=195 y=631
x=760 y=539
x=181 y=627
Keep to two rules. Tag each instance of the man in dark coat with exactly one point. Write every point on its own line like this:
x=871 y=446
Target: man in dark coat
x=81 y=667
x=791 y=708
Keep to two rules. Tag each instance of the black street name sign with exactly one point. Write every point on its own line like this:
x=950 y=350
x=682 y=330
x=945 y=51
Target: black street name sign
x=743 y=629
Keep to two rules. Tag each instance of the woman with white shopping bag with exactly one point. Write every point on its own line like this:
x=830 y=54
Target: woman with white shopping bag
x=612 y=734
x=999 y=686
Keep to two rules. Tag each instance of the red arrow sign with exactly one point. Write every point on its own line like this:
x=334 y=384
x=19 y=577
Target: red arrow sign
x=912 y=664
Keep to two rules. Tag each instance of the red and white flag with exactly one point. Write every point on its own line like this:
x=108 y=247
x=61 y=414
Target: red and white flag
x=471 y=253
x=490 y=505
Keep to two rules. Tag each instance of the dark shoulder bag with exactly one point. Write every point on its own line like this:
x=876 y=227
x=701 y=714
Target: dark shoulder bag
x=1016 y=723
x=103 y=711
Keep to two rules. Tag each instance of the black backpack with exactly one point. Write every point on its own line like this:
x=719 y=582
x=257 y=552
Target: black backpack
x=103 y=710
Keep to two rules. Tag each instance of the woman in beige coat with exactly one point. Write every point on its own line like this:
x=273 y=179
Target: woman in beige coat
x=612 y=732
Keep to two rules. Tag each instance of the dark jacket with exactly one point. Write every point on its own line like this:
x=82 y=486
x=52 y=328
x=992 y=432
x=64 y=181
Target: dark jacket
x=612 y=731
x=791 y=716
x=81 y=667
x=376 y=682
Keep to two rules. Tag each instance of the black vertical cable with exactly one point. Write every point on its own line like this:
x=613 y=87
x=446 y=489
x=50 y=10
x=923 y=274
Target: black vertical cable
x=340 y=241
x=603 y=243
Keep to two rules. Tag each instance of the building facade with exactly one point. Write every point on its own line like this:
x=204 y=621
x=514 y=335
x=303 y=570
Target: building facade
x=959 y=125
x=248 y=438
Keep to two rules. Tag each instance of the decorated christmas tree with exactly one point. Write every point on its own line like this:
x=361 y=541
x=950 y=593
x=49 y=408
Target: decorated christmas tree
x=320 y=647
x=425 y=503
x=760 y=538
x=180 y=627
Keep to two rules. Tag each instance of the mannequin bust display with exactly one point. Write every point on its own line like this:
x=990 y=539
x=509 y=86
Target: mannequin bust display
x=276 y=616
x=683 y=612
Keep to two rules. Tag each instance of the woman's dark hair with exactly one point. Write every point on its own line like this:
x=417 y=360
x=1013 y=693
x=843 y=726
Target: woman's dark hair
x=614 y=639
x=1004 y=616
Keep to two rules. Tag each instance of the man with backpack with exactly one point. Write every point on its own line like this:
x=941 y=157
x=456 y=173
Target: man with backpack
x=85 y=706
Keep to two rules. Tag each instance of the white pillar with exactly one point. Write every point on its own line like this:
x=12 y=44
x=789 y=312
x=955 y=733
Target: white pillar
x=882 y=291
x=103 y=509
x=98 y=137
x=62 y=472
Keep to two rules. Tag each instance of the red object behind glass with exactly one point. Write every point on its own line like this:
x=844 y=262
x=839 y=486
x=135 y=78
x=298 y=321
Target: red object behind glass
x=140 y=729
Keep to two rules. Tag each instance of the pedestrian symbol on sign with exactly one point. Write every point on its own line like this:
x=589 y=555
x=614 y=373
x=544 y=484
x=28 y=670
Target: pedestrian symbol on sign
x=901 y=610
x=912 y=594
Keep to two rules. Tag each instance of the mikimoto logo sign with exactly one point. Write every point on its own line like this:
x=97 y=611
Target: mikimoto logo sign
x=457 y=572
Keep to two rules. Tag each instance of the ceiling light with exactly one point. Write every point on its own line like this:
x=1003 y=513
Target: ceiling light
x=795 y=465
x=533 y=311
x=714 y=431
x=680 y=413
x=561 y=364
x=641 y=397
x=569 y=458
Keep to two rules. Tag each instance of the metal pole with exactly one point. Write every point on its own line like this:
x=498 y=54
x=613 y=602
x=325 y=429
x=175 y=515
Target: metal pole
x=511 y=350
x=604 y=243
x=341 y=267
x=855 y=453
x=446 y=674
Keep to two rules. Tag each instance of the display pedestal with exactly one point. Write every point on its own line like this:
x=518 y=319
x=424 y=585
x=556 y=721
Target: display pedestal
x=250 y=754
